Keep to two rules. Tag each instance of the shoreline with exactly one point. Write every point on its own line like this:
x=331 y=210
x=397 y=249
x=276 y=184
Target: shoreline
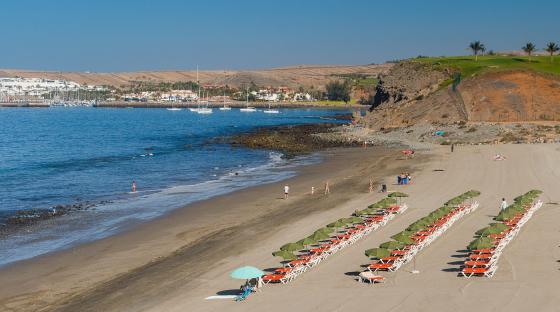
x=176 y=232
x=173 y=263
x=184 y=105
x=22 y=221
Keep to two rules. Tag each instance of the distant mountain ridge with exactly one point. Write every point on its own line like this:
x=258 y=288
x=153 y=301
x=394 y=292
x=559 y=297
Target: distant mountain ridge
x=292 y=76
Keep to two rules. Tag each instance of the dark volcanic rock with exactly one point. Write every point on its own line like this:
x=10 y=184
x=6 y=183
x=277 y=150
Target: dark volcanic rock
x=290 y=140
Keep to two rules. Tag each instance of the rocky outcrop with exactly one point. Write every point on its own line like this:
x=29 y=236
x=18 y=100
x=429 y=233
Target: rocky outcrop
x=290 y=140
x=407 y=81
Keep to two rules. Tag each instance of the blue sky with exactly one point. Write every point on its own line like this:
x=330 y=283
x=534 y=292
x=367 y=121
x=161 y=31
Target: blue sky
x=131 y=35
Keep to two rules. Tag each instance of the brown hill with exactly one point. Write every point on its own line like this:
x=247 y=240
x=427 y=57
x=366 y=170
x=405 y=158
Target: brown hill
x=412 y=93
x=304 y=75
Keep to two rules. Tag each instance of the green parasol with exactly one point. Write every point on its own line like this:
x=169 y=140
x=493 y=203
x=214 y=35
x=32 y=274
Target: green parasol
x=326 y=230
x=336 y=224
x=307 y=241
x=403 y=237
x=356 y=219
x=392 y=245
x=284 y=254
x=378 y=253
x=292 y=247
x=319 y=235
x=487 y=231
x=480 y=243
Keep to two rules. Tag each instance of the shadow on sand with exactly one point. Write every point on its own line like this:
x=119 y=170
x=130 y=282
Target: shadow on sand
x=229 y=292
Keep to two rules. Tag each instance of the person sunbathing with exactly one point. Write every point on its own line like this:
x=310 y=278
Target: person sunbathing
x=499 y=157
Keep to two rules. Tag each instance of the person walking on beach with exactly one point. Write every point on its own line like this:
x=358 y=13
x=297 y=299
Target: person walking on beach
x=452 y=147
x=327 y=188
x=503 y=205
x=286 y=191
x=133 y=188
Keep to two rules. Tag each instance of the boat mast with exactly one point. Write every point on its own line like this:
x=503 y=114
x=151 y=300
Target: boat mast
x=198 y=83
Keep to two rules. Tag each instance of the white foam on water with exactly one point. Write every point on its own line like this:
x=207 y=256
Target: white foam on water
x=109 y=219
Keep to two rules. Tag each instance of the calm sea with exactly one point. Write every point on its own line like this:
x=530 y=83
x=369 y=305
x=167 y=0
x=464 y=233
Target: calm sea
x=70 y=155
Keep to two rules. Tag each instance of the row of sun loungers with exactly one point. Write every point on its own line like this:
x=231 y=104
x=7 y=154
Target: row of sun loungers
x=338 y=241
x=422 y=239
x=484 y=261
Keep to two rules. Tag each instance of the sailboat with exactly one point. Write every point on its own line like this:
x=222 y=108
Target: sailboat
x=247 y=108
x=225 y=107
x=173 y=108
x=270 y=110
x=205 y=109
x=197 y=108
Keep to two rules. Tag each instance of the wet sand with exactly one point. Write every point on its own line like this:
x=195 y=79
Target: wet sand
x=145 y=264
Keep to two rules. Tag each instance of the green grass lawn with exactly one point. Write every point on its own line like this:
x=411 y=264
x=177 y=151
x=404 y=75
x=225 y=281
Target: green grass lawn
x=468 y=66
x=334 y=103
x=365 y=82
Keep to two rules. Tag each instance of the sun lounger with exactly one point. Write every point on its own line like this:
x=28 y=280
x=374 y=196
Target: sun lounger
x=272 y=278
x=480 y=256
x=487 y=272
x=477 y=263
x=389 y=259
x=369 y=277
x=374 y=267
x=483 y=262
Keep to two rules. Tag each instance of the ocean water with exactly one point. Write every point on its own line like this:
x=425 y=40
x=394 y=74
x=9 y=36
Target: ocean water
x=70 y=155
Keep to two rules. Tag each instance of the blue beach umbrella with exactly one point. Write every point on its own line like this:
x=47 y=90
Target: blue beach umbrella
x=246 y=272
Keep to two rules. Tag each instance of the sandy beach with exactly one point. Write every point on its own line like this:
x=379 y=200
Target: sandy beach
x=173 y=263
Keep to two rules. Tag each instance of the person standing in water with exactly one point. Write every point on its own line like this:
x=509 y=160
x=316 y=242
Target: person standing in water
x=327 y=188
x=133 y=188
x=286 y=191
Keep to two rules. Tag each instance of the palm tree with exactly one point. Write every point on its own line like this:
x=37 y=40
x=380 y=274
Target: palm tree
x=552 y=48
x=477 y=47
x=529 y=48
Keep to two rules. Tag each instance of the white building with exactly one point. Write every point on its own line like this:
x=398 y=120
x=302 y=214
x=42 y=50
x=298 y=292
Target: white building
x=39 y=86
x=179 y=95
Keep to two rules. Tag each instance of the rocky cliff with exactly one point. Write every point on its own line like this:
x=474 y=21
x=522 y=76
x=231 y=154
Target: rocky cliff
x=414 y=92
